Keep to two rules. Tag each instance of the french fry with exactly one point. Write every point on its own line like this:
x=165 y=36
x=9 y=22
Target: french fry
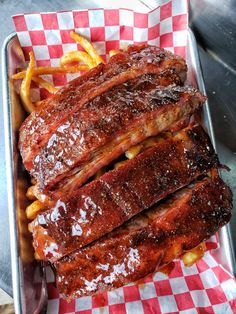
x=30 y=228
x=119 y=164
x=25 y=85
x=88 y=47
x=133 y=151
x=194 y=255
x=91 y=58
x=30 y=193
x=51 y=70
x=36 y=256
x=73 y=56
x=26 y=249
x=45 y=84
x=114 y=52
x=33 y=181
x=33 y=209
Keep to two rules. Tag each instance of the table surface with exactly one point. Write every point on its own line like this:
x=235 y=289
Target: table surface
x=217 y=54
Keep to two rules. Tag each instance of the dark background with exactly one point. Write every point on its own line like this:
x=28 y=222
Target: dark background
x=214 y=25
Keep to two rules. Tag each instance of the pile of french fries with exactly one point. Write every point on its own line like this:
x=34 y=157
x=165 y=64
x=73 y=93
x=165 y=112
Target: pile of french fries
x=85 y=60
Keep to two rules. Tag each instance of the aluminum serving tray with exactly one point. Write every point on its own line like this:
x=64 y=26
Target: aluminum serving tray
x=28 y=276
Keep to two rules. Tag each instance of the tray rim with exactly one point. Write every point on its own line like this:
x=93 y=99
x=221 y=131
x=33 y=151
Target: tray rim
x=7 y=113
x=225 y=238
x=225 y=233
x=11 y=199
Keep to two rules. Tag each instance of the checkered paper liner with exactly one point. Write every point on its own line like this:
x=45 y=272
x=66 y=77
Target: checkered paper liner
x=48 y=34
x=206 y=287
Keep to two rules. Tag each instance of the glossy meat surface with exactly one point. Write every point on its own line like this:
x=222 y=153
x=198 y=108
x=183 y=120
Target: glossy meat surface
x=107 y=126
x=147 y=242
x=37 y=129
x=106 y=203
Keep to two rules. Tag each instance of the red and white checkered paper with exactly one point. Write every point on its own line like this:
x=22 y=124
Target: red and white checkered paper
x=206 y=287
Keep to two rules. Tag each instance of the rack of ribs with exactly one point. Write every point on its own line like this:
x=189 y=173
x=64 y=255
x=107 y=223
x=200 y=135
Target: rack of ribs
x=106 y=127
x=107 y=202
x=103 y=232
x=148 y=241
x=79 y=119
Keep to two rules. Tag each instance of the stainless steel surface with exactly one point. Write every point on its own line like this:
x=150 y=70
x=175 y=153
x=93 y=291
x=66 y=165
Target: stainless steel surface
x=225 y=254
x=214 y=23
x=29 y=284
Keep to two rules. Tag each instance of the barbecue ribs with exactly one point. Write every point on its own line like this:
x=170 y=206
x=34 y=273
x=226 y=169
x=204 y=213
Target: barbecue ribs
x=147 y=242
x=74 y=127
x=111 y=230
x=104 y=204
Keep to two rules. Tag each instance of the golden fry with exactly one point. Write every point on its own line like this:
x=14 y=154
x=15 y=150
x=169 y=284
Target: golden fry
x=30 y=228
x=33 y=209
x=25 y=85
x=133 y=151
x=119 y=164
x=114 y=52
x=88 y=47
x=33 y=181
x=51 y=70
x=194 y=255
x=36 y=256
x=45 y=84
x=78 y=56
x=30 y=193
x=91 y=58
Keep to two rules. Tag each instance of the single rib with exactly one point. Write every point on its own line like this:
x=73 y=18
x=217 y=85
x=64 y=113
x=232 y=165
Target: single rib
x=39 y=127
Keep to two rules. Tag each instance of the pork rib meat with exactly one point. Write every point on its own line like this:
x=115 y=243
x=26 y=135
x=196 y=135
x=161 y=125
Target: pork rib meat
x=106 y=127
x=49 y=122
x=106 y=203
x=147 y=242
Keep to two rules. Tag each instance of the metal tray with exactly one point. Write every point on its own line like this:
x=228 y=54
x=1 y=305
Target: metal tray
x=29 y=284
